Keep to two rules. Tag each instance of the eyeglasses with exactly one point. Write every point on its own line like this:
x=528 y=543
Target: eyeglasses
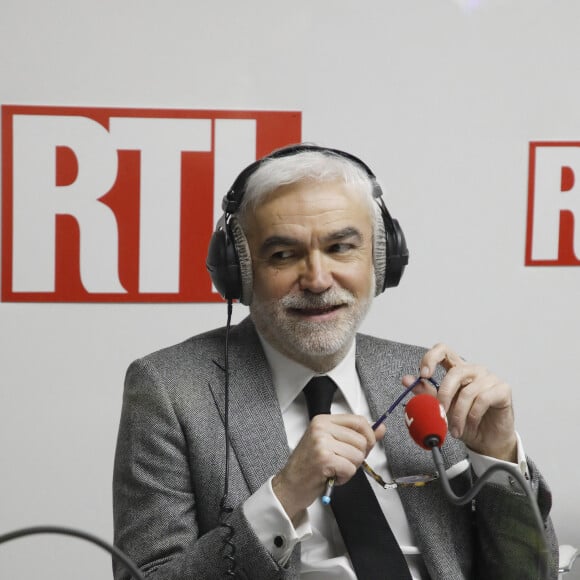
x=405 y=481
x=408 y=480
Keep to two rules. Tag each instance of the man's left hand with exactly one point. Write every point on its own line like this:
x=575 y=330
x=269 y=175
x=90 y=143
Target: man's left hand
x=478 y=404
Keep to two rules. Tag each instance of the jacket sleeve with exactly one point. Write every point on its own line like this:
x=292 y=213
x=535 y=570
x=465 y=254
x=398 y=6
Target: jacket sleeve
x=155 y=503
x=510 y=545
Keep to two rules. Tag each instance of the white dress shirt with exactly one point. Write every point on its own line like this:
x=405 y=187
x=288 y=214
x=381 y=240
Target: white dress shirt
x=323 y=551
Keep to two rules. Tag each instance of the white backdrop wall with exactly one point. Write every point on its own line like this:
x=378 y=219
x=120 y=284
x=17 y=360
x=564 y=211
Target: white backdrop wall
x=440 y=97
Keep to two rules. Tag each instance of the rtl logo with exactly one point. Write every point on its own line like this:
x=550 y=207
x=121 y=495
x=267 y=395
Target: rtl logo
x=553 y=237
x=118 y=205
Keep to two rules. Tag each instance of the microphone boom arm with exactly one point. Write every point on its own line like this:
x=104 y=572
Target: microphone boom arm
x=467 y=497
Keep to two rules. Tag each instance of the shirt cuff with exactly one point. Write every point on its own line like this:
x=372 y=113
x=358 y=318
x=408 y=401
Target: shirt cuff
x=272 y=525
x=480 y=463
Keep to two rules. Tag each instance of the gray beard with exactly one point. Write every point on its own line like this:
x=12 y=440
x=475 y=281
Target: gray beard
x=318 y=345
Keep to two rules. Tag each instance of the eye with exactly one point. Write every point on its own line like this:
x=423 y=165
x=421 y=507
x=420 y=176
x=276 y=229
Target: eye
x=281 y=256
x=340 y=248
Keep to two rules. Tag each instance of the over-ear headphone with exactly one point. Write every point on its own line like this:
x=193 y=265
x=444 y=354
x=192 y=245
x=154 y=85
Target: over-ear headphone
x=228 y=259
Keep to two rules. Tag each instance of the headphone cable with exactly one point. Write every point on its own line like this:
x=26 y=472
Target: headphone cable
x=225 y=510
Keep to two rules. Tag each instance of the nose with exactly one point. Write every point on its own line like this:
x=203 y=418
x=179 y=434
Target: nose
x=315 y=275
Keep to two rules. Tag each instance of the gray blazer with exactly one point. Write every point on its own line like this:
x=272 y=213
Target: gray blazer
x=169 y=469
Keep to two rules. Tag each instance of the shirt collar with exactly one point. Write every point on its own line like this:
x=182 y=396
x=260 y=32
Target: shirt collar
x=290 y=377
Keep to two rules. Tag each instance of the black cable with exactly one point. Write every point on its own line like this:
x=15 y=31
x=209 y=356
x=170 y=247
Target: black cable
x=225 y=509
x=513 y=472
x=113 y=550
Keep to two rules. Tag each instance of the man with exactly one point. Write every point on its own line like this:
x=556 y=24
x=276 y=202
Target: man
x=306 y=240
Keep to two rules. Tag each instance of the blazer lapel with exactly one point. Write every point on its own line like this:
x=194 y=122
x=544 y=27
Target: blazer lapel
x=380 y=371
x=381 y=365
x=256 y=426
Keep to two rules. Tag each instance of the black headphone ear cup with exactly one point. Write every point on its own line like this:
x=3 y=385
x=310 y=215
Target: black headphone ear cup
x=245 y=271
x=398 y=255
x=228 y=261
x=222 y=263
x=391 y=254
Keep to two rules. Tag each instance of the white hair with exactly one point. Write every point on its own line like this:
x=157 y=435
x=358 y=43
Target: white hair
x=317 y=166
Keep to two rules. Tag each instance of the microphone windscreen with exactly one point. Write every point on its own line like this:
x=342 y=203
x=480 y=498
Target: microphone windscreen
x=425 y=418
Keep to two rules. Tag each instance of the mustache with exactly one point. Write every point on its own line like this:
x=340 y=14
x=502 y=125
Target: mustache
x=306 y=300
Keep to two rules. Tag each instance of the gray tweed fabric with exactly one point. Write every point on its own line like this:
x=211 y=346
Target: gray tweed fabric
x=169 y=469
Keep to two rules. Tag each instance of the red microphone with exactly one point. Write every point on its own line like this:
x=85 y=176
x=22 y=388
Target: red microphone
x=426 y=420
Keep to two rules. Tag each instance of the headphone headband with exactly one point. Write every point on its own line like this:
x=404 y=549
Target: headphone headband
x=233 y=199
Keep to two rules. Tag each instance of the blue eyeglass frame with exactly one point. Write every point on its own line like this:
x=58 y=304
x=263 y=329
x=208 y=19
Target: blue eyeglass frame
x=383 y=417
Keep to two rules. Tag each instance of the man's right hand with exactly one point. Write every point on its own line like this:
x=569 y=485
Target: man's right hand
x=332 y=446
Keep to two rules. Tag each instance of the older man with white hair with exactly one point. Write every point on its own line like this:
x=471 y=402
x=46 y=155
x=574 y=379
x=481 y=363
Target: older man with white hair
x=228 y=440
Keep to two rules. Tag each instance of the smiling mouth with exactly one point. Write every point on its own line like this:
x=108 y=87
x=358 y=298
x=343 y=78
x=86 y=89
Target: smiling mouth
x=316 y=311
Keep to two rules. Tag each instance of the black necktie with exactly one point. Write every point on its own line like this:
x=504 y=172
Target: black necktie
x=372 y=547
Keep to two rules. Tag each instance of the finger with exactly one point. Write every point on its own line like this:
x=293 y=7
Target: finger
x=495 y=398
x=358 y=424
x=338 y=460
x=456 y=379
x=380 y=432
x=352 y=454
x=470 y=404
x=344 y=470
x=423 y=386
x=351 y=429
x=438 y=354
